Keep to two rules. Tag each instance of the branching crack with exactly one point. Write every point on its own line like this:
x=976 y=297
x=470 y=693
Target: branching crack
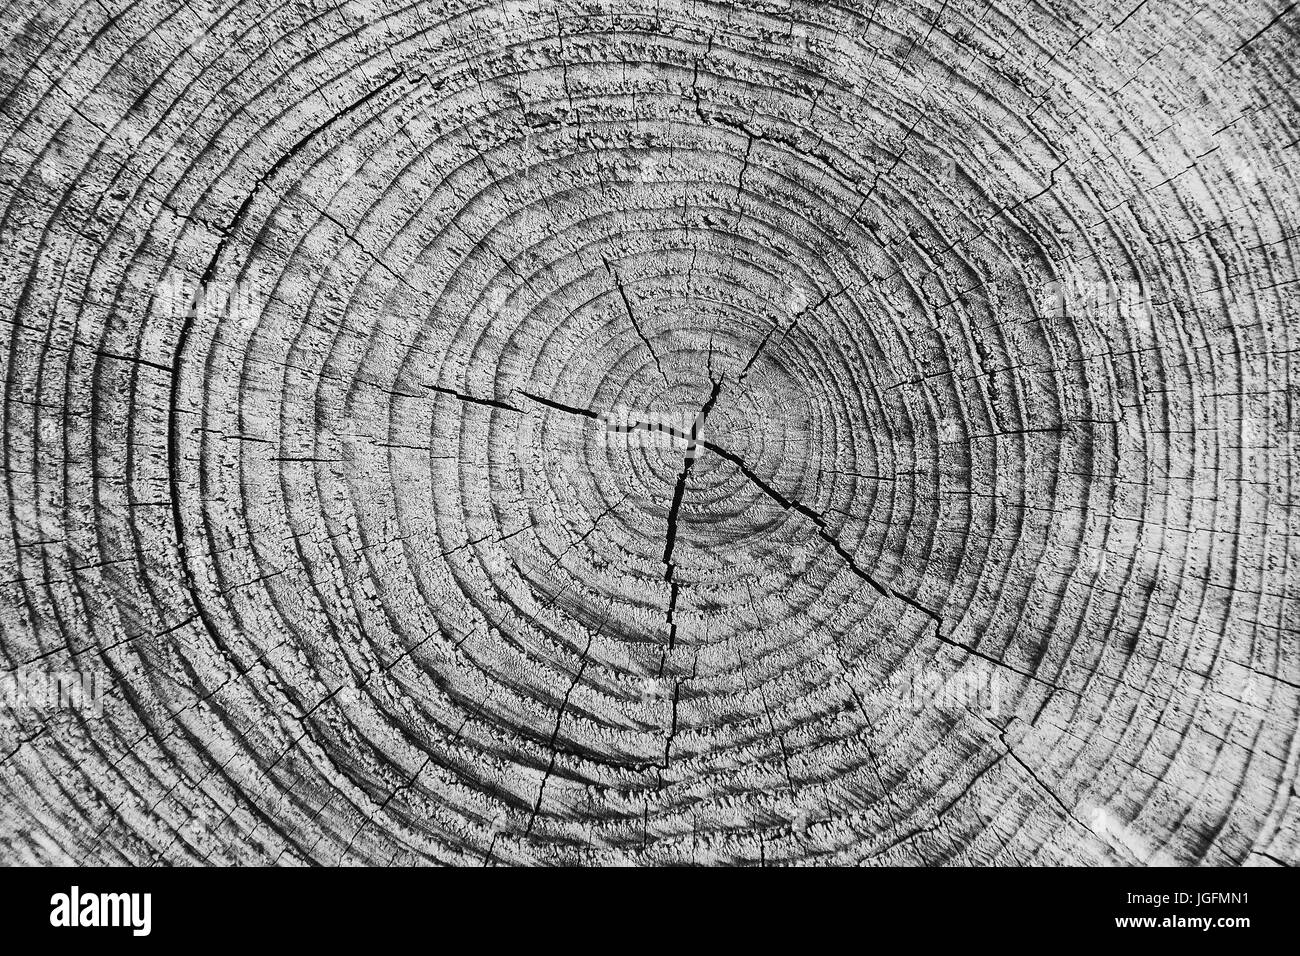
x=695 y=444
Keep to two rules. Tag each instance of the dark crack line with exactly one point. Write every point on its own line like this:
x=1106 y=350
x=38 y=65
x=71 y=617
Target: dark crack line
x=785 y=332
x=555 y=734
x=496 y=539
x=627 y=304
x=586 y=534
x=679 y=492
x=670 y=544
x=1011 y=667
x=561 y=407
x=820 y=521
x=1068 y=813
x=474 y=400
x=672 y=727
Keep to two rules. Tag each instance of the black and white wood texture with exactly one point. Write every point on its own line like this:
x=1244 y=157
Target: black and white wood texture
x=652 y=432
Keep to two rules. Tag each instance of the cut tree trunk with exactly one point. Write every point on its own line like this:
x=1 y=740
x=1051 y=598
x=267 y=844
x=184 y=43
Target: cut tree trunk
x=650 y=432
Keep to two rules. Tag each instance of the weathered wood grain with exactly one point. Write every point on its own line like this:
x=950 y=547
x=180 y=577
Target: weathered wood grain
x=653 y=432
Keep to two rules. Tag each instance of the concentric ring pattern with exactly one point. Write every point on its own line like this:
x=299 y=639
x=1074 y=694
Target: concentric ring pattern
x=651 y=432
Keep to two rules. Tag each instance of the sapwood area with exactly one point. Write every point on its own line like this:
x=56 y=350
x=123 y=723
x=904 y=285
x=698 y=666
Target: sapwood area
x=649 y=432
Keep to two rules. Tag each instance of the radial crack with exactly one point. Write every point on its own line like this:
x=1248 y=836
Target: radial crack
x=819 y=520
x=631 y=314
x=679 y=491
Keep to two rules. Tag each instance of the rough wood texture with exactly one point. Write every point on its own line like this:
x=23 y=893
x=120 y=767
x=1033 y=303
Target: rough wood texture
x=649 y=432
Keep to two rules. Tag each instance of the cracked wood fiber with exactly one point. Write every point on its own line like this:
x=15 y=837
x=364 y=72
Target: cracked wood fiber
x=653 y=432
